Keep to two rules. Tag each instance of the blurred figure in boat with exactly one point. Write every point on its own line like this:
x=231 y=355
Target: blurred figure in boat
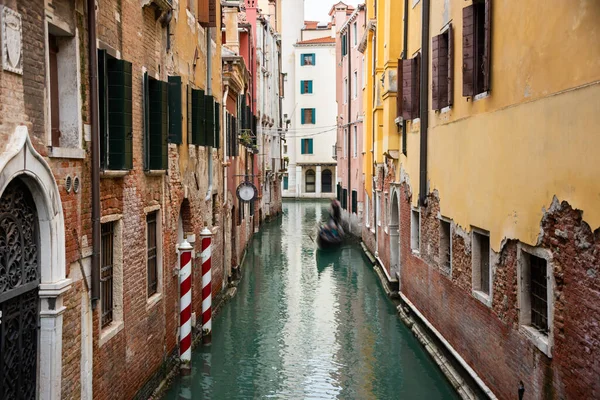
x=335 y=218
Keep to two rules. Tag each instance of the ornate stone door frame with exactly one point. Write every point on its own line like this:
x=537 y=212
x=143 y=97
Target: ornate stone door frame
x=20 y=159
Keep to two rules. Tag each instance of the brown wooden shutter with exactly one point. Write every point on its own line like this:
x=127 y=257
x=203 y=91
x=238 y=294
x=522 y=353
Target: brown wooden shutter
x=204 y=12
x=212 y=13
x=435 y=72
x=399 y=91
x=407 y=83
x=416 y=87
x=468 y=35
x=450 y=66
x=487 y=45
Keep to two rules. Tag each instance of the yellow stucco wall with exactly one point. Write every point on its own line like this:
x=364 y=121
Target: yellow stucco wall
x=368 y=106
x=498 y=161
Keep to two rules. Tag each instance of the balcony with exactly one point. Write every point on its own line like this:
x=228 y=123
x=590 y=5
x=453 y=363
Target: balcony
x=161 y=5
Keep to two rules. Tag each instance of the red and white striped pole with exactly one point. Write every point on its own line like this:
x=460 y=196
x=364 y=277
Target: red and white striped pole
x=185 y=303
x=206 y=236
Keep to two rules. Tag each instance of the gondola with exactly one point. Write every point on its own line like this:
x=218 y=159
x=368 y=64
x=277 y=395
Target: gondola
x=328 y=238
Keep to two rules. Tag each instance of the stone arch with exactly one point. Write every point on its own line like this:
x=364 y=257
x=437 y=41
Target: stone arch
x=184 y=222
x=21 y=160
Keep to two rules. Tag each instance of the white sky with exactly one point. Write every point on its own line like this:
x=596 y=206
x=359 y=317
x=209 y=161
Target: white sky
x=316 y=10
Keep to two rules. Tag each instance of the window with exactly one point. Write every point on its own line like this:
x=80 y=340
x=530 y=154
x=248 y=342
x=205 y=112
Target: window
x=326 y=181
x=115 y=106
x=285 y=149
x=345 y=199
x=415 y=230
x=445 y=247
x=207 y=13
x=307 y=59
x=306 y=146
x=106 y=273
x=285 y=182
x=155 y=127
x=354 y=202
x=408 y=101
x=175 y=116
x=215 y=209
x=442 y=70
x=364 y=73
x=476 y=48
x=355 y=33
x=378 y=209
x=151 y=232
x=355 y=142
x=345 y=143
x=345 y=90
x=306 y=87
x=308 y=116
x=535 y=296
x=355 y=85
x=481 y=263
x=344 y=44
x=310 y=181
x=64 y=92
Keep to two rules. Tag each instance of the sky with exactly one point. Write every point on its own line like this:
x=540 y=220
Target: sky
x=316 y=10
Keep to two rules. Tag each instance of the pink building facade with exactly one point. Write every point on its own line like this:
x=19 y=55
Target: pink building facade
x=349 y=25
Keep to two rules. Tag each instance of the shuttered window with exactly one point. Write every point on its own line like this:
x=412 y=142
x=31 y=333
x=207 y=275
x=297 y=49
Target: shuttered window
x=156 y=128
x=232 y=136
x=198 y=118
x=306 y=146
x=441 y=64
x=217 y=140
x=207 y=13
x=410 y=88
x=345 y=199
x=476 y=48
x=285 y=183
x=354 y=202
x=307 y=116
x=175 y=116
x=115 y=112
x=209 y=117
x=307 y=59
x=344 y=45
x=152 y=253
x=306 y=87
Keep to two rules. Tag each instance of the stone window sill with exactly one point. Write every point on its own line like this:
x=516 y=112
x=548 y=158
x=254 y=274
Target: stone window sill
x=481 y=96
x=113 y=174
x=66 y=152
x=446 y=110
x=153 y=300
x=483 y=297
x=155 y=172
x=540 y=340
x=110 y=331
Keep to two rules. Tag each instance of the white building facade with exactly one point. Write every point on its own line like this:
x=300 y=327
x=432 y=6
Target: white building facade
x=311 y=140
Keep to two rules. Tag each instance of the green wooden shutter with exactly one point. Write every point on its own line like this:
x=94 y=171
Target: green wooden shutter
x=302 y=120
x=175 y=109
x=201 y=118
x=120 y=125
x=158 y=132
x=209 y=109
x=146 y=97
x=189 y=114
x=310 y=146
x=103 y=108
x=314 y=59
x=217 y=142
x=310 y=88
x=314 y=112
x=302 y=146
x=285 y=183
x=354 y=201
x=302 y=87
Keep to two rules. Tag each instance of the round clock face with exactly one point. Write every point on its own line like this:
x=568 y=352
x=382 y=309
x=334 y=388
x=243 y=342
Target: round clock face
x=246 y=192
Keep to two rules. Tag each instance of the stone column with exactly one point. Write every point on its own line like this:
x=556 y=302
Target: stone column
x=318 y=181
x=299 y=189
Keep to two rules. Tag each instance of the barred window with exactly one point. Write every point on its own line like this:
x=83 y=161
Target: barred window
x=152 y=253
x=106 y=273
x=539 y=293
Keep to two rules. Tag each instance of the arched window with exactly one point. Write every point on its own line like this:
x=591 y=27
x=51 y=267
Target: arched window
x=326 y=181
x=310 y=181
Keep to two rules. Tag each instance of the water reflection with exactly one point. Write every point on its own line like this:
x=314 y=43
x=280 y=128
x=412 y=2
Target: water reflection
x=309 y=324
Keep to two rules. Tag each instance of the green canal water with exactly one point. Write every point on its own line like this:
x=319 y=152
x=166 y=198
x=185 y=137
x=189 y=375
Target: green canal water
x=306 y=325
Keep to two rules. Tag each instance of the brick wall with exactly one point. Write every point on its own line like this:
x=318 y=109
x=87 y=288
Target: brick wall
x=489 y=338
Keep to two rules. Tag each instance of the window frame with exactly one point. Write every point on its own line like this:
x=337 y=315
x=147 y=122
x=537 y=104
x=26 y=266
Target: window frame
x=355 y=32
x=109 y=331
x=476 y=272
x=310 y=172
x=544 y=342
x=328 y=172
x=355 y=85
x=415 y=230
x=303 y=59
x=443 y=223
x=304 y=120
x=153 y=298
x=355 y=142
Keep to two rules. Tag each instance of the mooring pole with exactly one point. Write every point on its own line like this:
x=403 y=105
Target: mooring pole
x=185 y=305
x=206 y=236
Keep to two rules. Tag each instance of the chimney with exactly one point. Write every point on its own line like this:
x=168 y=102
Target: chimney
x=232 y=37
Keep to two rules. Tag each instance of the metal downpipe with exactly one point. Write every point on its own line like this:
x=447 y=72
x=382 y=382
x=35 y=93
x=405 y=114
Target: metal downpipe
x=424 y=106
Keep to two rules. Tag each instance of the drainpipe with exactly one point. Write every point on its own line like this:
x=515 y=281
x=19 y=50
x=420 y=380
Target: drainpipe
x=424 y=107
x=349 y=123
x=93 y=71
x=209 y=92
x=404 y=57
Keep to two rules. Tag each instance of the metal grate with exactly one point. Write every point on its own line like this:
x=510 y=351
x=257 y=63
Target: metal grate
x=106 y=273
x=539 y=294
x=152 y=270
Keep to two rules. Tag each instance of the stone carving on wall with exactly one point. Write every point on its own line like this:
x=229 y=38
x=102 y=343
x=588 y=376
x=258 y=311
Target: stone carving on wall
x=12 y=40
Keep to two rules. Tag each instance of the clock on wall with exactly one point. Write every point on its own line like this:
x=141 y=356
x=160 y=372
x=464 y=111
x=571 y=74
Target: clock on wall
x=246 y=191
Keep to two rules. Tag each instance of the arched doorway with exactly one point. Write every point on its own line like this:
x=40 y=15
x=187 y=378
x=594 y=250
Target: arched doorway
x=326 y=181
x=19 y=302
x=394 y=237
x=309 y=181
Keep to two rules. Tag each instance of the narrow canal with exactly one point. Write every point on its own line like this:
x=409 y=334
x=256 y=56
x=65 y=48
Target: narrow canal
x=306 y=324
